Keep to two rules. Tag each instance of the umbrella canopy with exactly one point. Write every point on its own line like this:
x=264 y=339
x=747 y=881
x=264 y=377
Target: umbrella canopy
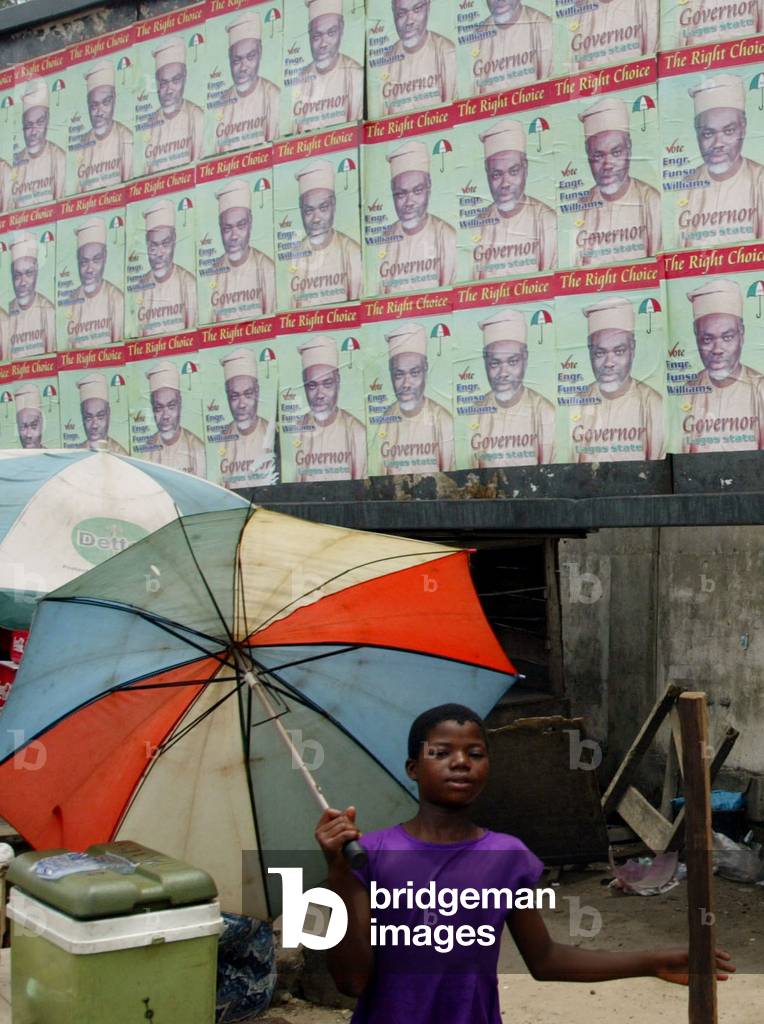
x=62 y=512
x=200 y=650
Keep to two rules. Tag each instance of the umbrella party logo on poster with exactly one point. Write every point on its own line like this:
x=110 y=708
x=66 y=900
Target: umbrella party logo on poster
x=504 y=374
x=324 y=44
x=167 y=402
x=7 y=119
x=34 y=386
x=100 y=103
x=171 y=64
x=409 y=366
x=610 y=363
x=410 y=177
x=322 y=433
x=609 y=198
x=712 y=134
x=29 y=266
x=503 y=44
x=410 y=56
x=240 y=367
x=94 y=400
x=90 y=270
x=40 y=132
x=236 y=274
x=590 y=34
x=244 y=74
x=318 y=231
x=507 y=185
x=715 y=350
x=160 y=262
x=699 y=22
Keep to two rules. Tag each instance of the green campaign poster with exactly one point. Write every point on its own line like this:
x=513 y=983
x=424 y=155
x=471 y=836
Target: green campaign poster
x=94 y=400
x=316 y=210
x=33 y=385
x=90 y=270
x=236 y=274
x=591 y=34
x=7 y=122
x=9 y=437
x=503 y=44
x=27 y=292
x=692 y=23
x=715 y=350
x=409 y=345
x=40 y=132
x=504 y=375
x=611 y=363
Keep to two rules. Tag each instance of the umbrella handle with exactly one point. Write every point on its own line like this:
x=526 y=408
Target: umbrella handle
x=355 y=854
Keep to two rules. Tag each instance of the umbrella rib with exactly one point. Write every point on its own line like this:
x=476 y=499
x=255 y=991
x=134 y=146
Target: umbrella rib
x=317 y=657
x=207 y=587
x=178 y=736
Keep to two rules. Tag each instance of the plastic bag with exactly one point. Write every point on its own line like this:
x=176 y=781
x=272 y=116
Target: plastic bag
x=246 y=975
x=740 y=862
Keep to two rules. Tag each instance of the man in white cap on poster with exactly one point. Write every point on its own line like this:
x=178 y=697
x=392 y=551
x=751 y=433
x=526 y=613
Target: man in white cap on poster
x=106 y=156
x=515 y=424
x=514 y=47
x=330 y=89
x=30 y=421
x=421 y=66
x=30 y=329
x=517 y=233
x=417 y=435
x=622 y=215
x=725 y=199
x=608 y=32
x=244 y=284
x=247 y=455
x=97 y=309
x=250 y=111
x=726 y=411
x=620 y=419
x=718 y=21
x=6 y=182
x=40 y=168
x=172 y=445
x=167 y=295
x=419 y=249
x=332 y=442
x=176 y=128
x=326 y=264
x=95 y=409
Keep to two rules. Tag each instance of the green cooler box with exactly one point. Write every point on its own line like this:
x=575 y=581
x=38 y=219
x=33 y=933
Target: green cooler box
x=120 y=934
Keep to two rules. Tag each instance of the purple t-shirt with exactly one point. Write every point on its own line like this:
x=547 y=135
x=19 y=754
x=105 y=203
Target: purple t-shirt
x=417 y=983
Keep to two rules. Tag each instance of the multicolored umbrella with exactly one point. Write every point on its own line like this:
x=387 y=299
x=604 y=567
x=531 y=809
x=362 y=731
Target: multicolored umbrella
x=233 y=669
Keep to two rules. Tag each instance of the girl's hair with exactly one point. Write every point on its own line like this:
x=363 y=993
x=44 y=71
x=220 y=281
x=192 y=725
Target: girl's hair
x=424 y=724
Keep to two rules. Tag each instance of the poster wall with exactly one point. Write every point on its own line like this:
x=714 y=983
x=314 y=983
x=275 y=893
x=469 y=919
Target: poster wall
x=40 y=132
x=700 y=22
x=503 y=44
x=94 y=399
x=34 y=386
x=601 y=33
x=7 y=122
x=28 y=266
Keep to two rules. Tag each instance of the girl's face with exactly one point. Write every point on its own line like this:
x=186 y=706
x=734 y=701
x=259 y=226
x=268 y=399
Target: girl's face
x=452 y=766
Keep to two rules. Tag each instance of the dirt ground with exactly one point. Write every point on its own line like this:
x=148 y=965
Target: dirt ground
x=627 y=922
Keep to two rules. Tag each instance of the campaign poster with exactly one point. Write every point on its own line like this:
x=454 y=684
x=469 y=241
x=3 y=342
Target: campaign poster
x=507 y=160
x=160 y=261
x=409 y=384
x=34 y=387
x=715 y=350
x=504 y=377
x=101 y=111
x=90 y=271
x=712 y=138
x=591 y=34
x=244 y=74
x=236 y=272
x=410 y=203
x=9 y=437
x=688 y=23
x=324 y=48
x=7 y=123
x=410 y=56
x=610 y=363
x=28 y=291
x=94 y=400
x=317 y=219
x=166 y=392
x=322 y=429
x=240 y=367
x=171 y=64
x=503 y=44
x=609 y=199
x=40 y=131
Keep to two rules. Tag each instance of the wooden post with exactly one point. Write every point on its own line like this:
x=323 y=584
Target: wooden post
x=696 y=756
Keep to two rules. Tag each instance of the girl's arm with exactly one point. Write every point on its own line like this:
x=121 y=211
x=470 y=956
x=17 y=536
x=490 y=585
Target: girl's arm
x=351 y=961
x=554 y=961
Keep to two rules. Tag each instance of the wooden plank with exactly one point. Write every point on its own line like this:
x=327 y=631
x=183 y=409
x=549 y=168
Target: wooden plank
x=623 y=777
x=640 y=815
x=677 y=831
x=670 y=778
x=553 y=618
x=693 y=716
x=676 y=734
